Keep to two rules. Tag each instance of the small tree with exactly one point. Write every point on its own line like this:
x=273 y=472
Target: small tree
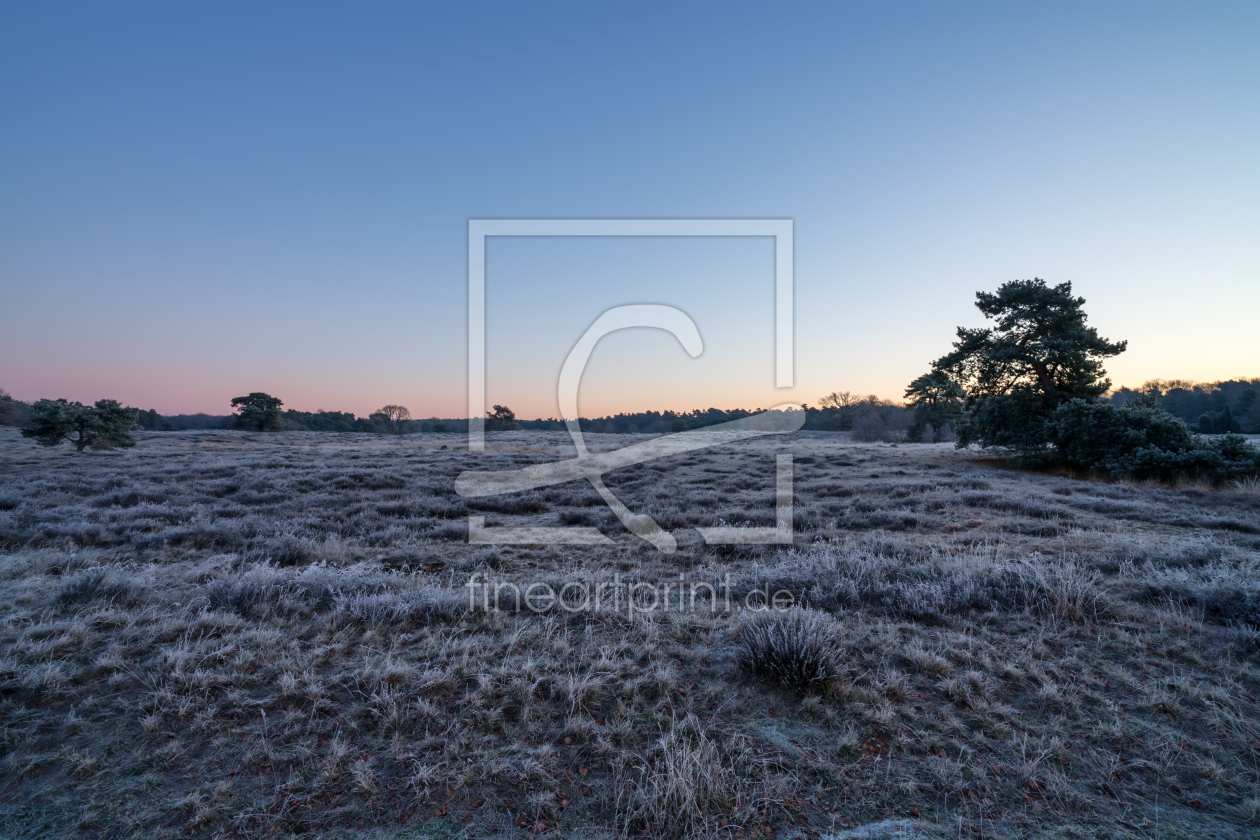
x=937 y=404
x=107 y=425
x=502 y=419
x=257 y=411
x=391 y=417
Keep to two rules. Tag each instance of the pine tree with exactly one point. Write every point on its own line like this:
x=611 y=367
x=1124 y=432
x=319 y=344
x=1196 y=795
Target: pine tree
x=502 y=419
x=936 y=401
x=106 y=425
x=1038 y=355
x=258 y=411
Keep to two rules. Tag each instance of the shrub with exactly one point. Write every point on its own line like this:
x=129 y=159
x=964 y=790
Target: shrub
x=797 y=647
x=1239 y=459
x=509 y=504
x=283 y=551
x=456 y=531
x=1141 y=440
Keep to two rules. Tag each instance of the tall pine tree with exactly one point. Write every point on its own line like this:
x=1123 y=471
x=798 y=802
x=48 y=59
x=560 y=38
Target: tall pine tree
x=1038 y=354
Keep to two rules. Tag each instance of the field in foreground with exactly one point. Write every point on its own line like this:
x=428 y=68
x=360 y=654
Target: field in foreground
x=241 y=635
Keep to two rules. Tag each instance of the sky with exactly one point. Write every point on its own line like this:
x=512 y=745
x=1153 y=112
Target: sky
x=200 y=200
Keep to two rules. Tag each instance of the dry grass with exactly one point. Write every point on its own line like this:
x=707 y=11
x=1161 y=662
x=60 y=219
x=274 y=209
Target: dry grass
x=224 y=634
x=1250 y=486
x=798 y=647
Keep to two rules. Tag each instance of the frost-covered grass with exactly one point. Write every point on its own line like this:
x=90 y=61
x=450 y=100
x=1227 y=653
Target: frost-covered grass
x=231 y=634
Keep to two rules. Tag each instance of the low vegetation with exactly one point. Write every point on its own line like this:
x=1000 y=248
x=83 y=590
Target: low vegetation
x=232 y=634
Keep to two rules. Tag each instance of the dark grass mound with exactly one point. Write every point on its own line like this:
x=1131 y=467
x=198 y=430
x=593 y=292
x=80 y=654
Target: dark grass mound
x=797 y=647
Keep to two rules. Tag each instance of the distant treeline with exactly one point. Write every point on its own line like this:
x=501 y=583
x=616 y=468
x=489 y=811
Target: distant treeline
x=644 y=422
x=1207 y=407
x=295 y=421
x=869 y=417
x=12 y=412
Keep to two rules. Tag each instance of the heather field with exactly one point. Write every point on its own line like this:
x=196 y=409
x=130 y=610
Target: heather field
x=229 y=634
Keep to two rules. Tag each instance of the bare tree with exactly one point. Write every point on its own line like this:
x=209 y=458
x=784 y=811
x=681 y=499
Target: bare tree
x=843 y=406
x=392 y=417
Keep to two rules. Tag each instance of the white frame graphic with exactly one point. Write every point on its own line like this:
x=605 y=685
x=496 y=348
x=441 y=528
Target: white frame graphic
x=479 y=229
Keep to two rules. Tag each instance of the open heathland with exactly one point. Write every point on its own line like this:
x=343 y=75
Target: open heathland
x=235 y=634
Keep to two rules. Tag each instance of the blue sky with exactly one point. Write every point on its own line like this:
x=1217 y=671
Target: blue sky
x=200 y=200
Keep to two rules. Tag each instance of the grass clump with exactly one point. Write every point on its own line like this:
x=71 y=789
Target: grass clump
x=684 y=787
x=797 y=647
x=96 y=584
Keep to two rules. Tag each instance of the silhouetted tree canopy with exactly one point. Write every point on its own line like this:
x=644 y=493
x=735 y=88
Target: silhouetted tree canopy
x=844 y=408
x=1034 y=383
x=1038 y=355
x=936 y=401
x=106 y=425
x=258 y=411
x=1194 y=401
x=12 y=412
x=152 y=421
x=501 y=419
x=391 y=418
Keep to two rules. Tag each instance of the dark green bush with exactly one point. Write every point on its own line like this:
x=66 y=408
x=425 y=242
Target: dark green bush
x=1017 y=423
x=1141 y=440
x=106 y=425
x=257 y=411
x=1238 y=457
